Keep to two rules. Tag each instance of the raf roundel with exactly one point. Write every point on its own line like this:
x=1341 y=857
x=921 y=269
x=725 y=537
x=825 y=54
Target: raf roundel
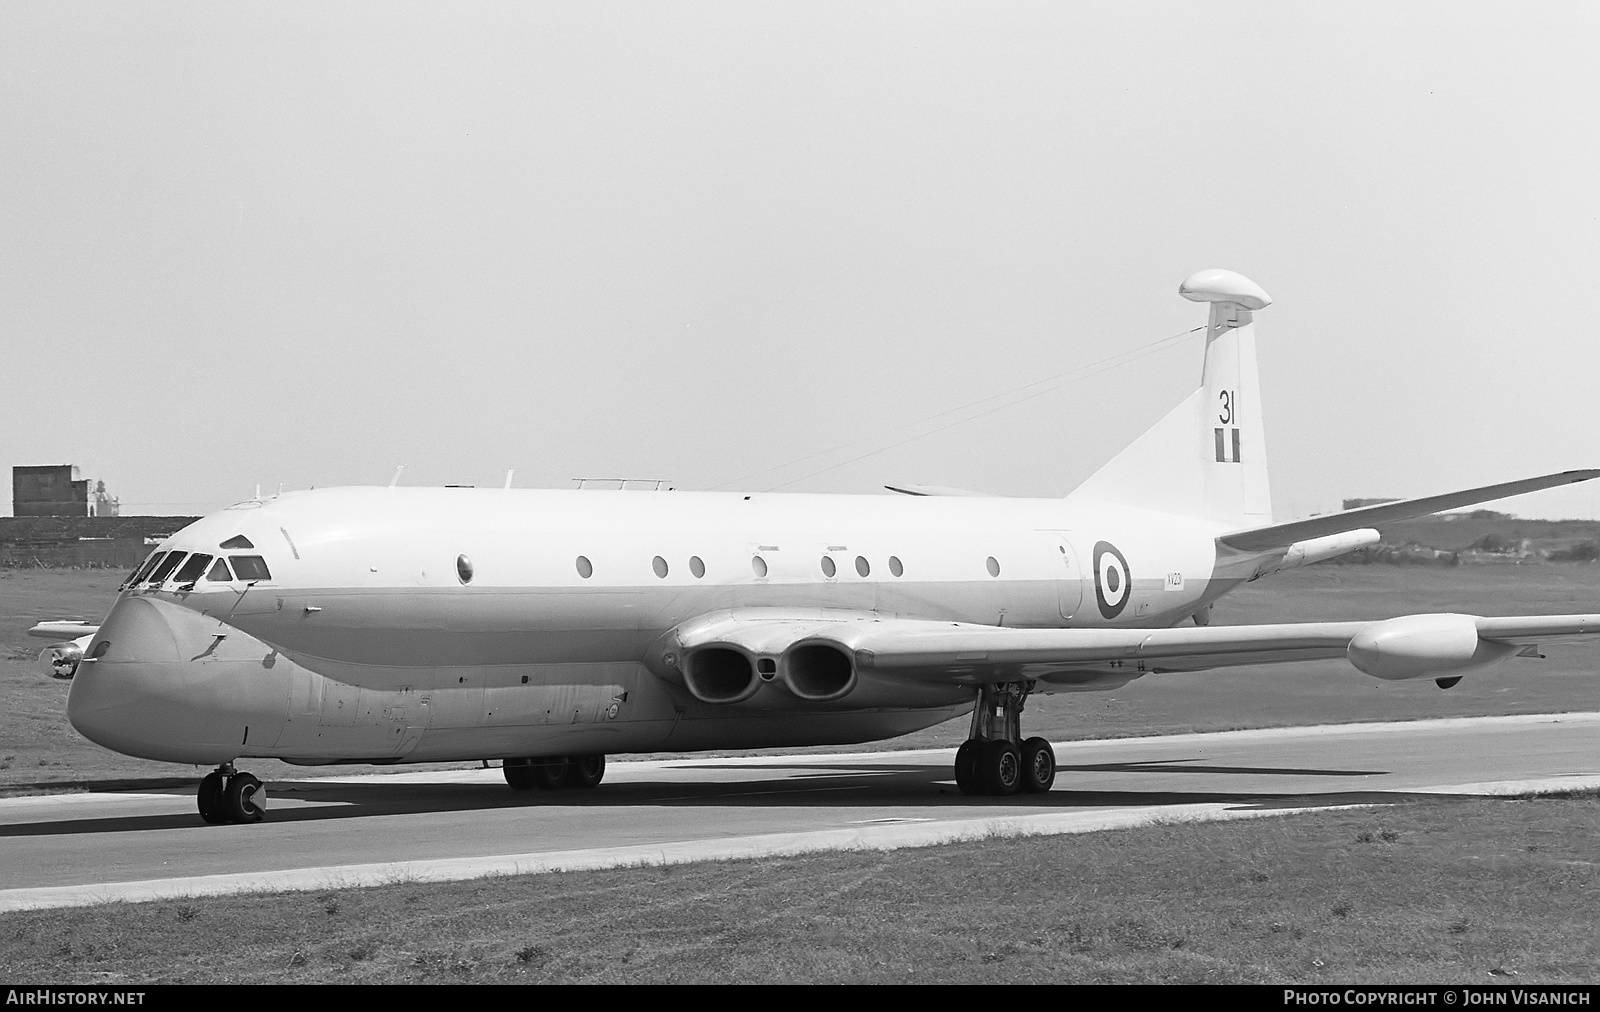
x=1111 y=583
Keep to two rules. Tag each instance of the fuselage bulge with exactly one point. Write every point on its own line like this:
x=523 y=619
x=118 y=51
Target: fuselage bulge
x=417 y=624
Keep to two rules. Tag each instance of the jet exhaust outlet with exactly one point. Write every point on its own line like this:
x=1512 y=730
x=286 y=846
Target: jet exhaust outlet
x=818 y=672
x=720 y=675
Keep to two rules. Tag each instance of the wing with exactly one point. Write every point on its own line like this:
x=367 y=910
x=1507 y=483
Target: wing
x=821 y=657
x=64 y=628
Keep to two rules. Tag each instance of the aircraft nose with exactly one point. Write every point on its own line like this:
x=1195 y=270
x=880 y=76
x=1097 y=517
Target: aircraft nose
x=132 y=693
x=135 y=631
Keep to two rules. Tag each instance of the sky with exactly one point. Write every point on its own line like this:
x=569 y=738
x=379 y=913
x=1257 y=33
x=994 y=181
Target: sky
x=792 y=246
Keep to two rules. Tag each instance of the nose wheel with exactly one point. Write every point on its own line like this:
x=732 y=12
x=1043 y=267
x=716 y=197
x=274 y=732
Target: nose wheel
x=227 y=795
x=995 y=760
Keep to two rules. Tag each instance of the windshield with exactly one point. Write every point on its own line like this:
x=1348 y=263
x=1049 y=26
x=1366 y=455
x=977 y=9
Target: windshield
x=165 y=569
x=144 y=570
x=193 y=568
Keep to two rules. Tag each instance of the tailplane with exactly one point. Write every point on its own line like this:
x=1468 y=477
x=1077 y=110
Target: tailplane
x=1208 y=456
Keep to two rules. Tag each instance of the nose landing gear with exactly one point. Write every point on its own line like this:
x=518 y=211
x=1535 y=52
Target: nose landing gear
x=227 y=795
x=995 y=760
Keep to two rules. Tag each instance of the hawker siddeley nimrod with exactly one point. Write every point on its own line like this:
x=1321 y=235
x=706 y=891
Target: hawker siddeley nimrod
x=549 y=628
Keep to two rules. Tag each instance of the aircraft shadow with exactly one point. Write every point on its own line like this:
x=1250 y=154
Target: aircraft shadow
x=882 y=787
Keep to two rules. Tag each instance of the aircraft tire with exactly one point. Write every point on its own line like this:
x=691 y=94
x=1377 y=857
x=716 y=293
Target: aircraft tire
x=244 y=800
x=1000 y=768
x=209 y=799
x=967 y=767
x=518 y=774
x=1038 y=766
x=585 y=771
x=549 y=772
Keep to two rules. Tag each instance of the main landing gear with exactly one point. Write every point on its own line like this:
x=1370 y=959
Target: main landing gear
x=994 y=759
x=554 y=772
x=227 y=795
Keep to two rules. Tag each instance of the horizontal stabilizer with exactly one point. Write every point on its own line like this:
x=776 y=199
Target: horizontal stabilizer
x=1260 y=539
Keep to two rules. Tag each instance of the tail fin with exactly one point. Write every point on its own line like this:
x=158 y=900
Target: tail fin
x=1208 y=456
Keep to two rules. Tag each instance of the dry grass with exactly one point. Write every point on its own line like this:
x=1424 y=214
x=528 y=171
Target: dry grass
x=1478 y=891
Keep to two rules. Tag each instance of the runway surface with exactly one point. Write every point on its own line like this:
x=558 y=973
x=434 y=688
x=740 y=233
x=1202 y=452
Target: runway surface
x=429 y=825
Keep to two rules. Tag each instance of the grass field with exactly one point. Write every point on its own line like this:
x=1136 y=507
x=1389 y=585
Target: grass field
x=40 y=750
x=1442 y=891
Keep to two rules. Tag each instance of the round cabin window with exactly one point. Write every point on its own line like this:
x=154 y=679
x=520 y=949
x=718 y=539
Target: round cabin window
x=464 y=569
x=895 y=567
x=861 y=565
x=697 y=567
x=993 y=565
x=758 y=565
x=828 y=568
x=585 y=570
x=660 y=566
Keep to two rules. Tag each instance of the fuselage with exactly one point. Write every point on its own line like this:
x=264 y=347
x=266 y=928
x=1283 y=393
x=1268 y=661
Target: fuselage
x=421 y=624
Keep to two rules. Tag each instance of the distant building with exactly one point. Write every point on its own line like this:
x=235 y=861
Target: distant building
x=1355 y=504
x=52 y=490
x=103 y=504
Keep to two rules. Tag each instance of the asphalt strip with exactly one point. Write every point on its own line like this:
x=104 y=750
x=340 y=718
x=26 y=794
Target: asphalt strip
x=868 y=837
x=889 y=834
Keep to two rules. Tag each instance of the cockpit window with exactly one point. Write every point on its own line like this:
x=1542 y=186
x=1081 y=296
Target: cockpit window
x=219 y=572
x=237 y=541
x=144 y=570
x=167 y=566
x=193 y=568
x=250 y=568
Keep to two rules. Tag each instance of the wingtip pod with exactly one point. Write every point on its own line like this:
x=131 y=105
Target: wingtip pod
x=1214 y=284
x=1424 y=646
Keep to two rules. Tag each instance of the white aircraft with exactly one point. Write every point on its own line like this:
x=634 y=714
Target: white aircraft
x=549 y=628
x=60 y=660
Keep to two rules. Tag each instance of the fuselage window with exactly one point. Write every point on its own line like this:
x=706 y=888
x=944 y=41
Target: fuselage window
x=193 y=568
x=143 y=571
x=237 y=541
x=463 y=569
x=993 y=565
x=758 y=565
x=585 y=570
x=167 y=566
x=895 y=567
x=219 y=572
x=697 y=567
x=861 y=565
x=659 y=565
x=828 y=568
x=250 y=568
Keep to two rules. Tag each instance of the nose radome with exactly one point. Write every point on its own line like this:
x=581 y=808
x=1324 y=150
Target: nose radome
x=134 y=631
x=127 y=695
